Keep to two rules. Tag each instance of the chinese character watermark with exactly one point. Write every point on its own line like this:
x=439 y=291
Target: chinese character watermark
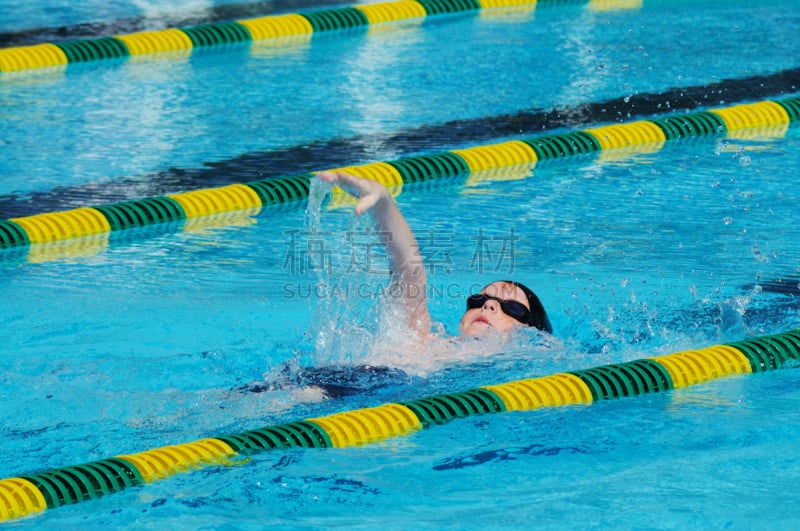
x=366 y=245
x=435 y=248
x=487 y=257
x=307 y=252
x=313 y=251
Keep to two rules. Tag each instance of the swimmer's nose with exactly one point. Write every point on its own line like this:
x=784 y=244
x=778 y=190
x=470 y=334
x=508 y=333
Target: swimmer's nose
x=490 y=305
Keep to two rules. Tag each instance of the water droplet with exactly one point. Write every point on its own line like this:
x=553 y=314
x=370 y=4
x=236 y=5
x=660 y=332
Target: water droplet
x=727 y=220
x=744 y=161
x=627 y=99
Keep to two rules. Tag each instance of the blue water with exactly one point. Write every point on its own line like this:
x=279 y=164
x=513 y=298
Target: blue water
x=118 y=346
x=153 y=115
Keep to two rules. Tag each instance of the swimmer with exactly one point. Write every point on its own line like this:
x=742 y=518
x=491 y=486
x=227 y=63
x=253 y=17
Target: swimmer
x=502 y=306
x=499 y=308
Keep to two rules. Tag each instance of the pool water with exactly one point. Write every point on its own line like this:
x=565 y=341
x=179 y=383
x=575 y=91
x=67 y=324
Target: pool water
x=146 y=340
x=239 y=113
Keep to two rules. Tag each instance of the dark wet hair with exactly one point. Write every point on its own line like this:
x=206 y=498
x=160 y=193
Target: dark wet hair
x=538 y=317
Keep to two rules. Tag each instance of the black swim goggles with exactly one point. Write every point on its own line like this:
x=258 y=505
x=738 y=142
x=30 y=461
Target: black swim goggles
x=514 y=309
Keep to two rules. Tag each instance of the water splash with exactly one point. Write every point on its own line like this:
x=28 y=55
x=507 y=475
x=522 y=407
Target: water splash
x=341 y=299
x=318 y=192
x=355 y=320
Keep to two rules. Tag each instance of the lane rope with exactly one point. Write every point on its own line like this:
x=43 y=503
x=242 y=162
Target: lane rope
x=33 y=493
x=94 y=224
x=292 y=25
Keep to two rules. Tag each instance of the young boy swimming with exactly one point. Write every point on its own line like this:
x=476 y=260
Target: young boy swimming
x=501 y=306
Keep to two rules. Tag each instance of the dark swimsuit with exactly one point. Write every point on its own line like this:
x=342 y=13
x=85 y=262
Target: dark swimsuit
x=335 y=381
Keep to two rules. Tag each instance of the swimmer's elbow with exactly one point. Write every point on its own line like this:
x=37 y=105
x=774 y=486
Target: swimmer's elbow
x=410 y=272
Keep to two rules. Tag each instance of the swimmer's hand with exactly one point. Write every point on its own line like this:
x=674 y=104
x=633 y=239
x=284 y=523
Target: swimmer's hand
x=405 y=261
x=367 y=191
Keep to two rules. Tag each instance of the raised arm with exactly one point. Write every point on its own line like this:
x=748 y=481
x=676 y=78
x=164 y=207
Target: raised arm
x=407 y=270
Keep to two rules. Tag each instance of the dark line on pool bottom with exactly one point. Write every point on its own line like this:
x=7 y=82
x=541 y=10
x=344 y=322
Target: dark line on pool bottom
x=385 y=146
x=189 y=18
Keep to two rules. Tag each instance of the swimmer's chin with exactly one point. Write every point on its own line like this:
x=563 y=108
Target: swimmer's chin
x=479 y=329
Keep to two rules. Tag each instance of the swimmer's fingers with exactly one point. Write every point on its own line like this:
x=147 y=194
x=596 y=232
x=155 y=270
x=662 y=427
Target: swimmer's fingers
x=367 y=190
x=368 y=201
x=351 y=184
x=329 y=176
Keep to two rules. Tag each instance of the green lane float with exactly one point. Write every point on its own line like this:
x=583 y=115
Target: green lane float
x=440 y=7
x=334 y=19
x=645 y=134
x=693 y=124
x=12 y=235
x=33 y=493
x=427 y=167
x=301 y=434
x=93 y=49
x=564 y=145
x=74 y=484
x=143 y=212
x=792 y=108
x=283 y=190
x=214 y=34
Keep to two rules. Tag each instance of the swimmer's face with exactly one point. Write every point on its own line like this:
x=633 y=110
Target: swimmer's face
x=490 y=316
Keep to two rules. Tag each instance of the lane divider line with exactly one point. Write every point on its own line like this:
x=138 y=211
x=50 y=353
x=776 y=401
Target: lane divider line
x=35 y=56
x=31 y=494
x=648 y=135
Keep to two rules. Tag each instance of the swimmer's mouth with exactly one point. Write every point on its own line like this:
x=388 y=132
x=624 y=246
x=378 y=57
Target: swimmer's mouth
x=482 y=319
